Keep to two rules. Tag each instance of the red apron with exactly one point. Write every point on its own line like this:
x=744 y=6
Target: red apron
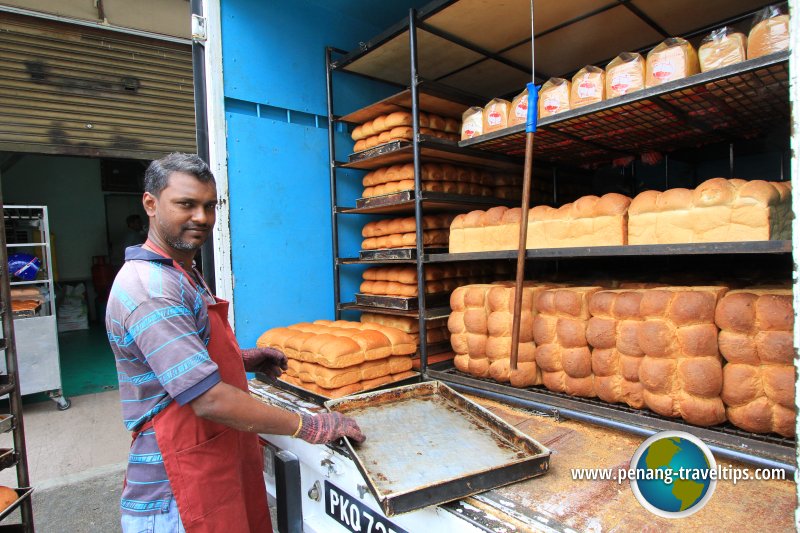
x=216 y=472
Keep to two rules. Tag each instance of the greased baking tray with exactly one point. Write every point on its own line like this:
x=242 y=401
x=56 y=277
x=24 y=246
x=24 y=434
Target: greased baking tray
x=402 y=303
x=426 y=445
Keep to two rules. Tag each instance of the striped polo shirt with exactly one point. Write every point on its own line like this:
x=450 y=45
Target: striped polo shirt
x=157 y=325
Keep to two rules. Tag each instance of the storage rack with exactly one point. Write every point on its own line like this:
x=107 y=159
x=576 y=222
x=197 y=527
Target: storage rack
x=9 y=385
x=699 y=110
x=36 y=332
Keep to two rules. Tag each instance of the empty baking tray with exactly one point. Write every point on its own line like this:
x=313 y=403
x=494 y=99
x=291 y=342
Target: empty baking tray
x=403 y=303
x=426 y=444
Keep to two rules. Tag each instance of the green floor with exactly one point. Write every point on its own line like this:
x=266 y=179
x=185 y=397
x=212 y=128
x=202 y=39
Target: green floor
x=87 y=363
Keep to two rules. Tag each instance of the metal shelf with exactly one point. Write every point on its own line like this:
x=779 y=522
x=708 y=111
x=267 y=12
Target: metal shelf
x=8 y=458
x=357 y=261
x=431 y=313
x=739 y=444
x=638 y=250
x=433 y=98
x=432 y=150
x=6 y=384
x=26 y=244
x=432 y=202
x=740 y=101
x=34 y=282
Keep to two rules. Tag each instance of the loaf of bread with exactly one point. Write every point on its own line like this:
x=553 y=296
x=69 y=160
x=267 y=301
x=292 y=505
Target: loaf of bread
x=339 y=392
x=554 y=97
x=625 y=74
x=7 y=497
x=770 y=34
x=681 y=372
x=756 y=340
x=391 y=226
x=722 y=47
x=408 y=290
x=472 y=123
x=337 y=344
x=480 y=332
x=433 y=335
x=334 y=378
x=719 y=210
x=559 y=331
x=673 y=59
x=589 y=221
x=430 y=172
x=518 y=112
x=403 y=323
x=438 y=237
x=408 y=273
x=588 y=87
x=612 y=332
x=495 y=115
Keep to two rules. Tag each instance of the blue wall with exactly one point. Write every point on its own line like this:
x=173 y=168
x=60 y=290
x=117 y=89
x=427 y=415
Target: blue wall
x=275 y=102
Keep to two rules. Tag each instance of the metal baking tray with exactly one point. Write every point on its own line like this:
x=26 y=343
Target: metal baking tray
x=6 y=423
x=426 y=445
x=396 y=253
x=22 y=492
x=320 y=399
x=403 y=303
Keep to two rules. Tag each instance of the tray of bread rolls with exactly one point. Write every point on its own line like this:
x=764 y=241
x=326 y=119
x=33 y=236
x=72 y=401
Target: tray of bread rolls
x=10 y=498
x=426 y=445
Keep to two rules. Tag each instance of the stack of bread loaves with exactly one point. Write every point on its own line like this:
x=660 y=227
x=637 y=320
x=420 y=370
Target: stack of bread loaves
x=398 y=126
x=589 y=221
x=719 y=210
x=402 y=280
x=339 y=358
x=613 y=333
x=756 y=341
x=401 y=232
x=435 y=177
x=562 y=352
x=480 y=332
x=682 y=370
x=436 y=330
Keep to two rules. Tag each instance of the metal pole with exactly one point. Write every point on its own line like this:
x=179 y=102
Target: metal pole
x=423 y=330
x=523 y=224
x=730 y=160
x=14 y=397
x=201 y=128
x=332 y=170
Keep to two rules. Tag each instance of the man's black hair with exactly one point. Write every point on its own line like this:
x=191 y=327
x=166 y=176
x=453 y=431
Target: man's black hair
x=157 y=174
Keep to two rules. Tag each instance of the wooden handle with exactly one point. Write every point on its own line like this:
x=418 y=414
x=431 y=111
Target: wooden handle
x=523 y=237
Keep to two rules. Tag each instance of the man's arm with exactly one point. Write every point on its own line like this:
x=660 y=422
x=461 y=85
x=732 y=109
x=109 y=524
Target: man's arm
x=235 y=408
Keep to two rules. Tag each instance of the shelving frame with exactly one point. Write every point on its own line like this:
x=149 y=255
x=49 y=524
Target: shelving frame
x=692 y=104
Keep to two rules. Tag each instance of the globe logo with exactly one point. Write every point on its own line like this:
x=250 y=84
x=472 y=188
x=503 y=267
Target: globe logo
x=673 y=474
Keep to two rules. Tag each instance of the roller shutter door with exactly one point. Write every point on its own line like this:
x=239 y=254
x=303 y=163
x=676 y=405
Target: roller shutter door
x=68 y=89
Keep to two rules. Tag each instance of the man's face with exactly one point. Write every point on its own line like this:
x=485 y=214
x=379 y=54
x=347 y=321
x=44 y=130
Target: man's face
x=185 y=211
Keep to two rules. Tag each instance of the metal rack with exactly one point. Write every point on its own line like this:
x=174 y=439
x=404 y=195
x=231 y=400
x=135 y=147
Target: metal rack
x=9 y=384
x=37 y=332
x=741 y=101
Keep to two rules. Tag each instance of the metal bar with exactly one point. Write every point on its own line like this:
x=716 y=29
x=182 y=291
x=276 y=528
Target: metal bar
x=14 y=396
x=473 y=47
x=423 y=330
x=332 y=175
x=644 y=17
x=730 y=160
x=287 y=492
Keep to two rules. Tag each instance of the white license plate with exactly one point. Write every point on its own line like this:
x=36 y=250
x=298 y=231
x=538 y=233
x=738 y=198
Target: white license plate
x=354 y=515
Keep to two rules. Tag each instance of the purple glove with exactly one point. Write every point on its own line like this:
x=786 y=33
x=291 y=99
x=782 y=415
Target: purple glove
x=268 y=361
x=325 y=427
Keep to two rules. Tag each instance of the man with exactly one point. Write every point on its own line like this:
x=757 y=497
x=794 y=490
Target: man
x=194 y=461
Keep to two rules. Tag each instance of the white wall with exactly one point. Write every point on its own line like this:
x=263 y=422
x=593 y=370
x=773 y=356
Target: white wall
x=70 y=188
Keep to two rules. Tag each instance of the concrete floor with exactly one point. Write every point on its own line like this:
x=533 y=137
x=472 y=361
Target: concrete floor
x=76 y=462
